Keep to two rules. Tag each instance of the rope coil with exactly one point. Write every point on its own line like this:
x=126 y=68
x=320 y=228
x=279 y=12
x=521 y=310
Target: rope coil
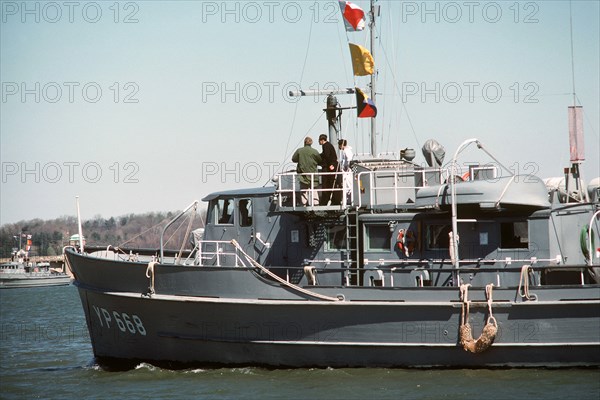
x=524 y=282
x=150 y=275
x=490 y=329
x=311 y=275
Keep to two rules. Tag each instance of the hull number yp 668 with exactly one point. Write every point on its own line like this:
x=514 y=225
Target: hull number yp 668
x=132 y=324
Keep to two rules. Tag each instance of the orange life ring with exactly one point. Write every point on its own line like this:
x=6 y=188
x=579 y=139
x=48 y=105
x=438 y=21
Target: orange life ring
x=406 y=241
x=400 y=240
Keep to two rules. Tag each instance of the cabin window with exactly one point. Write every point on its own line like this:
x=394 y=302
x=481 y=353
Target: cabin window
x=224 y=211
x=437 y=236
x=336 y=238
x=295 y=236
x=245 y=207
x=514 y=235
x=378 y=237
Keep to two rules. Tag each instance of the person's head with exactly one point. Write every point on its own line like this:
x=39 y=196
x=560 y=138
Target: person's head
x=342 y=143
x=308 y=141
x=322 y=138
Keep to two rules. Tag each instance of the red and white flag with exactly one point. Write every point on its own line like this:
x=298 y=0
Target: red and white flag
x=354 y=16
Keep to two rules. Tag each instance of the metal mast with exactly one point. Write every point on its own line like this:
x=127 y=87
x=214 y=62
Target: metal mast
x=372 y=50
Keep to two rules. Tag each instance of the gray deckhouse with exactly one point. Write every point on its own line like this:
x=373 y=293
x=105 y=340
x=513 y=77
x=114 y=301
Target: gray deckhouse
x=392 y=228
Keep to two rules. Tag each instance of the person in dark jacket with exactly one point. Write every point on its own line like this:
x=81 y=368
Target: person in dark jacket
x=329 y=163
x=308 y=159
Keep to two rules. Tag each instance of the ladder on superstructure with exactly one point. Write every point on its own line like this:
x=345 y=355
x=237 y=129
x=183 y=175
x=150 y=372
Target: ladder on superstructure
x=352 y=245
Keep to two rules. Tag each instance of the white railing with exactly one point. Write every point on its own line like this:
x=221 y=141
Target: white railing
x=403 y=185
x=375 y=189
x=367 y=188
x=216 y=252
x=290 y=194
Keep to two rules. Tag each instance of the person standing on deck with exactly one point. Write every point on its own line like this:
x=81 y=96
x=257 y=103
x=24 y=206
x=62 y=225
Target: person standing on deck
x=346 y=156
x=329 y=164
x=308 y=159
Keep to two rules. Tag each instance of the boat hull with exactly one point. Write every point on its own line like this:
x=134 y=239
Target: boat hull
x=283 y=333
x=25 y=281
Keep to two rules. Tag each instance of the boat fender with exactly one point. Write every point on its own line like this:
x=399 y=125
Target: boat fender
x=490 y=329
x=483 y=342
x=406 y=242
x=452 y=249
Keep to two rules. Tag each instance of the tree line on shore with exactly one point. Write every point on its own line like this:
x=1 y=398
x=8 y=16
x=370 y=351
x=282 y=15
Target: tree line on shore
x=132 y=231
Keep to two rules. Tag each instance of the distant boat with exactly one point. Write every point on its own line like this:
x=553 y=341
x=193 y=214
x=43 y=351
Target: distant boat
x=412 y=266
x=21 y=273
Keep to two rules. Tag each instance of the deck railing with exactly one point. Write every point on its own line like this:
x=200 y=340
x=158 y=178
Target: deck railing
x=394 y=186
x=290 y=196
x=218 y=253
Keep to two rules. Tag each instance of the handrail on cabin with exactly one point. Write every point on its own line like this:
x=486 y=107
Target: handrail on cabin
x=454 y=237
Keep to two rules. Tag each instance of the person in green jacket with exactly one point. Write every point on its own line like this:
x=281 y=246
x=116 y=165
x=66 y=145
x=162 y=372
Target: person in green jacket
x=308 y=159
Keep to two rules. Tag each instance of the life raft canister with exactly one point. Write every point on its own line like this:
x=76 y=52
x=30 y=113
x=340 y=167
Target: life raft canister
x=584 y=242
x=406 y=242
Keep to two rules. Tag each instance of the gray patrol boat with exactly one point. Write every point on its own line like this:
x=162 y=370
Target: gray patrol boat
x=418 y=265
x=20 y=272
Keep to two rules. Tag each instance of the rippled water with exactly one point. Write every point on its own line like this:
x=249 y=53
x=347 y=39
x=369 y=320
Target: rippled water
x=45 y=352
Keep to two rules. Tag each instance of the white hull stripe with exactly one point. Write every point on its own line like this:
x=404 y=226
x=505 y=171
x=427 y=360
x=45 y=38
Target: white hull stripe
x=377 y=344
x=192 y=299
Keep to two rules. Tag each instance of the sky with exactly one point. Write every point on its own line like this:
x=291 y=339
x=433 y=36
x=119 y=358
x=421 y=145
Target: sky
x=141 y=106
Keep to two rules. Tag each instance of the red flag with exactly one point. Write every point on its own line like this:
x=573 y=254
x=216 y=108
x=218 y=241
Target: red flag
x=354 y=16
x=365 y=108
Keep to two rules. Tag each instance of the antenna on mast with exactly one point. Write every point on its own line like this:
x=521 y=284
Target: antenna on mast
x=576 y=140
x=373 y=11
x=572 y=51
